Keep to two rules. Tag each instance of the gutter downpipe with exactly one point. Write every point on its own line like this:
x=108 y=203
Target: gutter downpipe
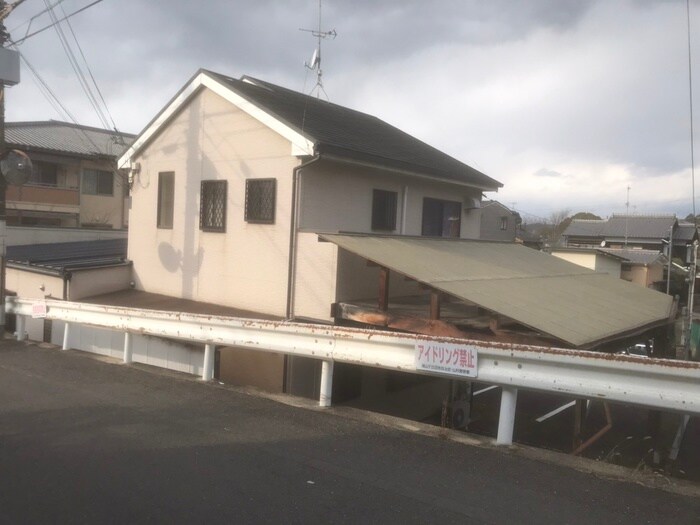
x=66 y=277
x=291 y=271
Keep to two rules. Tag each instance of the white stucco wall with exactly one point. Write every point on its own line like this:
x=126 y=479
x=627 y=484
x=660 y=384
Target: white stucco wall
x=86 y=283
x=338 y=197
x=28 y=285
x=245 y=267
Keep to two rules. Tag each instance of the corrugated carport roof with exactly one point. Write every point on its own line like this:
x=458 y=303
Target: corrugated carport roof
x=552 y=296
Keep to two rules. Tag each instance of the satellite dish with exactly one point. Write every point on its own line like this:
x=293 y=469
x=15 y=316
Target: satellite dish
x=602 y=244
x=315 y=59
x=16 y=167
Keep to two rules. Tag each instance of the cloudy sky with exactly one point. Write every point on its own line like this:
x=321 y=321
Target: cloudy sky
x=567 y=102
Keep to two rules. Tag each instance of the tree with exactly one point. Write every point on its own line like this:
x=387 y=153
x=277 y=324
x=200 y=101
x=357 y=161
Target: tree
x=556 y=224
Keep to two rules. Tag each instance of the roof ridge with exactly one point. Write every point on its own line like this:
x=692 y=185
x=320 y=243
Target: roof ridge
x=53 y=122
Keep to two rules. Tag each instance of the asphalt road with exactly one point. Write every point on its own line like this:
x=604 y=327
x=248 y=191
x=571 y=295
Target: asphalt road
x=87 y=441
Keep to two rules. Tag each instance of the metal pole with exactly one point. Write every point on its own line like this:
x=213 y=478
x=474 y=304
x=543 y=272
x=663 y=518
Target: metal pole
x=66 y=337
x=208 y=368
x=691 y=297
x=506 y=419
x=326 y=384
x=670 y=258
x=127 y=348
x=21 y=322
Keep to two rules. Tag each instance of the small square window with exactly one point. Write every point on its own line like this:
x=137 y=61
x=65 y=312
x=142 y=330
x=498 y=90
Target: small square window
x=166 y=198
x=260 y=200
x=212 y=207
x=384 y=205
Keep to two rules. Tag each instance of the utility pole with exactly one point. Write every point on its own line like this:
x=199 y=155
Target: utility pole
x=5 y=10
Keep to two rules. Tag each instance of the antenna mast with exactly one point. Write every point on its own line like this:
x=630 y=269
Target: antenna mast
x=627 y=215
x=315 y=63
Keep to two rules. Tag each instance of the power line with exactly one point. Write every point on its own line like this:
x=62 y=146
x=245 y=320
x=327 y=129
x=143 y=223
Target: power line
x=77 y=69
x=31 y=20
x=17 y=42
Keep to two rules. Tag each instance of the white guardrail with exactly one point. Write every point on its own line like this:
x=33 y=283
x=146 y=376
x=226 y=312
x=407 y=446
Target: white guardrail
x=653 y=383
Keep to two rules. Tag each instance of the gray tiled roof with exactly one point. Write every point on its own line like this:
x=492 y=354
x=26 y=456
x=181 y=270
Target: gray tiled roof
x=639 y=226
x=685 y=232
x=635 y=256
x=62 y=137
x=585 y=227
x=653 y=227
x=346 y=133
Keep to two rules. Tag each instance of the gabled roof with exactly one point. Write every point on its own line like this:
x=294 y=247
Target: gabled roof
x=318 y=127
x=651 y=227
x=66 y=256
x=686 y=232
x=654 y=227
x=63 y=137
x=496 y=204
x=552 y=296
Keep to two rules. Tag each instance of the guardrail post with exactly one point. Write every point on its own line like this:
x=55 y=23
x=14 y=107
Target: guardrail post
x=21 y=330
x=208 y=368
x=506 y=418
x=326 y=383
x=127 y=348
x=66 y=337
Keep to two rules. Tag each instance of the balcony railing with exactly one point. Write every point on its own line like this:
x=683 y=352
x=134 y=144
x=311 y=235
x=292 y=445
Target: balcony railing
x=43 y=194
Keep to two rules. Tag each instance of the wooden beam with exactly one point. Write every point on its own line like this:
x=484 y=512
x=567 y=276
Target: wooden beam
x=383 y=288
x=435 y=304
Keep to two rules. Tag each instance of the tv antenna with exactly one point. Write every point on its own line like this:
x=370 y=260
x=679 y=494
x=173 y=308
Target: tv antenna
x=315 y=63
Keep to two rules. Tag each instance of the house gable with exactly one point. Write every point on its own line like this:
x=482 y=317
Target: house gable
x=299 y=145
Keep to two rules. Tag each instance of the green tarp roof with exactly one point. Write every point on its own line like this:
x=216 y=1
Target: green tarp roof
x=552 y=296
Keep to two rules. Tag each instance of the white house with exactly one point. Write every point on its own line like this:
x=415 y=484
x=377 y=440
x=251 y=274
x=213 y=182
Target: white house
x=233 y=178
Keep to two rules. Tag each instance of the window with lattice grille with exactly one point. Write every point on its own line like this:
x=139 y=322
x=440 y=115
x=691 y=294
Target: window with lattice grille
x=212 y=208
x=260 y=200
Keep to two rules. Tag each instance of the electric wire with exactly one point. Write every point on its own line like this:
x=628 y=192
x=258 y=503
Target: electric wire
x=29 y=22
x=76 y=68
x=92 y=77
x=25 y=37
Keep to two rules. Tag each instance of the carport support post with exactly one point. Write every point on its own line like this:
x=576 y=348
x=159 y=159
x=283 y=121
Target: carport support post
x=66 y=337
x=127 y=348
x=506 y=419
x=383 y=289
x=21 y=322
x=208 y=368
x=326 y=383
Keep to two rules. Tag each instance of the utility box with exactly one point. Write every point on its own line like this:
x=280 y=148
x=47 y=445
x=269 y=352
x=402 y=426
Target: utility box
x=9 y=66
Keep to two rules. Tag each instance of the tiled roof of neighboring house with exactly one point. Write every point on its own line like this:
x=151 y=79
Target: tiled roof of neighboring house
x=585 y=227
x=65 y=256
x=496 y=204
x=63 y=137
x=655 y=227
x=334 y=131
x=639 y=226
x=552 y=296
x=685 y=231
x=635 y=256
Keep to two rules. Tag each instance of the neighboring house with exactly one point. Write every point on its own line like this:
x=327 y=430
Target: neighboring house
x=638 y=266
x=74 y=182
x=70 y=271
x=498 y=223
x=592 y=258
x=649 y=232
